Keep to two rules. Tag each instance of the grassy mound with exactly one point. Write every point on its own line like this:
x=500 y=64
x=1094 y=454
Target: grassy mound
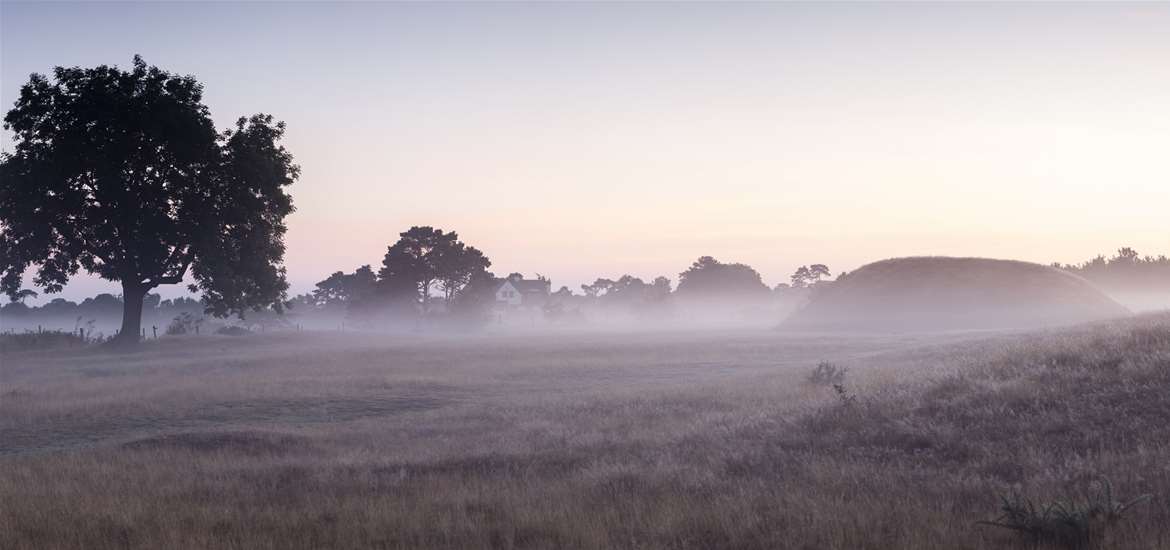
x=938 y=293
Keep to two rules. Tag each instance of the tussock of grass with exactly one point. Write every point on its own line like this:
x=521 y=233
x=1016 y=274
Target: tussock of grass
x=827 y=374
x=671 y=441
x=1074 y=523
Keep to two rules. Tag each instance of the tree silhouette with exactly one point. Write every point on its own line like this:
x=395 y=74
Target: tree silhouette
x=660 y=288
x=809 y=275
x=426 y=259
x=22 y=295
x=123 y=174
x=599 y=287
x=800 y=277
x=457 y=266
x=708 y=277
x=344 y=288
x=415 y=259
x=817 y=271
x=1127 y=271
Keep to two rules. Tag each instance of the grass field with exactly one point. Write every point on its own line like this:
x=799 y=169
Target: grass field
x=658 y=440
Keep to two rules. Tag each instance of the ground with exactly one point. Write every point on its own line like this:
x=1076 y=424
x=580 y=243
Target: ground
x=589 y=440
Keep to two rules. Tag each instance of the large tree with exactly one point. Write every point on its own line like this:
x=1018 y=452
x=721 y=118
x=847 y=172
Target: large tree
x=426 y=259
x=123 y=174
x=710 y=278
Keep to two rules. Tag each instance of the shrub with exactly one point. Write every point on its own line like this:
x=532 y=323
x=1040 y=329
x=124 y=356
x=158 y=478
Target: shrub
x=827 y=374
x=32 y=340
x=847 y=399
x=183 y=324
x=1072 y=523
x=233 y=330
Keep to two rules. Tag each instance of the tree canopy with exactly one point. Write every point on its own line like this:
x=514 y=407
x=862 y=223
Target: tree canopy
x=809 y=275
x=426 y=259
x=1126 y=271
x=710 y=278
x=344 y=288
x=123 y=174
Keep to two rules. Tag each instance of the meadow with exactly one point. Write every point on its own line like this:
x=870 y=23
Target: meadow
x=672 y=439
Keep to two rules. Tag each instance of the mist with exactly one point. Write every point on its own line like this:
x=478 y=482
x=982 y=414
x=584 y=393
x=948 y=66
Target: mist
x=584 y=276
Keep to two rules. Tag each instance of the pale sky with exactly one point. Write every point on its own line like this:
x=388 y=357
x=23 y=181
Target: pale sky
x=587 y=140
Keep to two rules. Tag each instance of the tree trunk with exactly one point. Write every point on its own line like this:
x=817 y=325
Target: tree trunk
x=130 y=334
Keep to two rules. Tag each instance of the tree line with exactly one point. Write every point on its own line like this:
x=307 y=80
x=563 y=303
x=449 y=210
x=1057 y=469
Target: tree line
x=1126 y=270
x=430 y=273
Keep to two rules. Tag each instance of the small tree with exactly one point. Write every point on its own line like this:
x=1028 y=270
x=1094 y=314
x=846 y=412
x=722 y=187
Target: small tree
x=122 y=174
x=800 y=278
x=817 y=271
x=809 y=275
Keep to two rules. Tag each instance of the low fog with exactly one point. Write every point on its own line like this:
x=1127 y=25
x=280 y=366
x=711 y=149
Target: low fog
x=897 y=295
x=427 y=392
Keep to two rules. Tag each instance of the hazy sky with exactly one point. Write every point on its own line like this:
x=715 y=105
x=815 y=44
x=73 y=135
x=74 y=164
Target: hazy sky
x=585 y=140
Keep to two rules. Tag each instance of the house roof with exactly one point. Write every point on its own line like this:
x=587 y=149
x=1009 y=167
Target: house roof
x=528 y=286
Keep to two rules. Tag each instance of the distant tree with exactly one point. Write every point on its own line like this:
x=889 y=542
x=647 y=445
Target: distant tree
x=660 y=288
x=106 y=305
x=626 y=289
x=332 y=290
x=809 y=275
x=1126 y=271
x=151 y=302
x=458 y=266
x=708 y=277
x=473 y=303
x=817 y=271
x=1126 y=255
x=123 y=174
x=598 y=288
x=345 y=288
x=415 y=258
x=425 y=260
x=801 y=277
x=24 y=294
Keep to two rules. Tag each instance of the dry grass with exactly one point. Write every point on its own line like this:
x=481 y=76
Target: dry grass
x=579 y=441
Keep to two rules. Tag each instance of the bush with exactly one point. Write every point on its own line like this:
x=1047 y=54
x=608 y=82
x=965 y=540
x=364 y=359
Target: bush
x=827 y=374
x=183 y=324
x=1072 y=523
x=233 y=330
x=30 y=340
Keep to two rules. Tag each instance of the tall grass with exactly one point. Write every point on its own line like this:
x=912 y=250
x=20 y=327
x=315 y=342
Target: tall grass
x=665 y=441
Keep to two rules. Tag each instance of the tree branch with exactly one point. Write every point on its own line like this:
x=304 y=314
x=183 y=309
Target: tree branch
x=176 y=277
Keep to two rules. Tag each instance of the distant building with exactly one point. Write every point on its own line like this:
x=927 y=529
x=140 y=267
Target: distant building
x=514 y=292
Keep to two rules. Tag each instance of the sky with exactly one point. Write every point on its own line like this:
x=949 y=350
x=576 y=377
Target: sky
x=593 y=140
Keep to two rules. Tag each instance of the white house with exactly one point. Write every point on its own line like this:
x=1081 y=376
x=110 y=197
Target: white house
x=522 y=293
